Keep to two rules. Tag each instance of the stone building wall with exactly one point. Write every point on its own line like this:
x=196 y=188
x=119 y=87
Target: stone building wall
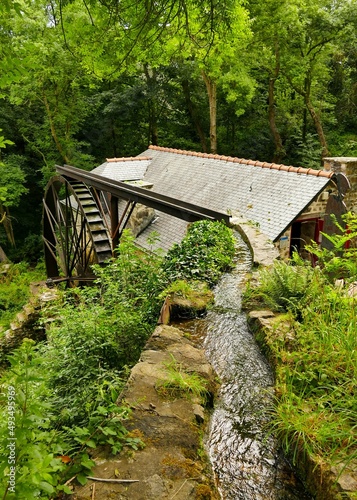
x=347 y=166
x=315 y=210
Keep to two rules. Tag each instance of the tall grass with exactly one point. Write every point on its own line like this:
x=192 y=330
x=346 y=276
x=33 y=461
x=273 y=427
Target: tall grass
x=316 y=368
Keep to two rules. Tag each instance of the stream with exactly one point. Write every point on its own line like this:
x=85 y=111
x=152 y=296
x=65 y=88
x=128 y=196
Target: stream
x=246 y=461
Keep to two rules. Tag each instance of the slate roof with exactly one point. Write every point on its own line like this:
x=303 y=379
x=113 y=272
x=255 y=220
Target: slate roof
x=269 y=194
x=123 y=169
x=170 y=230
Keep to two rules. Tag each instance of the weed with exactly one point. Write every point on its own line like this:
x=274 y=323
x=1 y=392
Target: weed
x=178 y=382
x=285 y=286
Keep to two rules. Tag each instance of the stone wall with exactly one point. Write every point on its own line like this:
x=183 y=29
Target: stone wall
x=347 y=166
x=315 y=210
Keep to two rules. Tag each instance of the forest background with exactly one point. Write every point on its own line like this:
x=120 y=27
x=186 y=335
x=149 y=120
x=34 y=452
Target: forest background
x=86 y=80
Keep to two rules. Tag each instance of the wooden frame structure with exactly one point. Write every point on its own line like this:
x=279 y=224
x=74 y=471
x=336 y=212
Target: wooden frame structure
x=82 y=224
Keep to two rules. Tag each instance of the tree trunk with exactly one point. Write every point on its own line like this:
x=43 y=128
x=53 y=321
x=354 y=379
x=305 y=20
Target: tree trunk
x=279 y=152
x=212 y=100
x=318 y=126
x=53 y=130
x=6 y=221
x=151 y=83
x=315 y=118
x=3 y=257
x=194 y=115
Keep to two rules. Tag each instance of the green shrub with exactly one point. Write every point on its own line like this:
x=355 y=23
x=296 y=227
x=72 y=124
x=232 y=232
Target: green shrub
x=86 y=356
x=285 y=285
x=133 y=280
x=316 y=364
x=47 y=453
x=15 y=289
x=24 y=395
x=205 y=252
x=340 y=261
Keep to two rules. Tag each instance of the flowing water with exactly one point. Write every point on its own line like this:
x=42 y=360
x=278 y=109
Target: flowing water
x=246 y=460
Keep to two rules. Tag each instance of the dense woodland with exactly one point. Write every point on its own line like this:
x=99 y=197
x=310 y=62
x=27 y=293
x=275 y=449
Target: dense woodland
x=84 y=80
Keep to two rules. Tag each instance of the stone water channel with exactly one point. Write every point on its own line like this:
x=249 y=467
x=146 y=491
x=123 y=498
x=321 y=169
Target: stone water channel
x=246 y=460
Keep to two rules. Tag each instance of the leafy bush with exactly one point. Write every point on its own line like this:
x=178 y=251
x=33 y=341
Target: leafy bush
x=206 y=251
x=341 y=260
x=285 y=286
x=133 y=280
x=316 y=363
x=86 y=356
x=47 y=455
x=25 y=416
x=15 y=289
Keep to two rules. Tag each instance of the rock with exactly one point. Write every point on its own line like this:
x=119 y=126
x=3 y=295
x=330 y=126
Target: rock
x=170 y=465
x=5 y=268
x=352 y=289
x=199 y=413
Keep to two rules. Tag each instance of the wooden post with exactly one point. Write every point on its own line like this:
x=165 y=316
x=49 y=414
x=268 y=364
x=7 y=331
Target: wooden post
x=114 y=220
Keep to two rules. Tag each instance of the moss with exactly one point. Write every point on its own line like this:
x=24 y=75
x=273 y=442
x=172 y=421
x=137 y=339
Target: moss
x=203 y=492
x=175 y=467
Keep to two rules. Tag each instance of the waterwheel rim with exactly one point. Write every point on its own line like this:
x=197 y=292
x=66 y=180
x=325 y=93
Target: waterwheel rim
x=69 y=246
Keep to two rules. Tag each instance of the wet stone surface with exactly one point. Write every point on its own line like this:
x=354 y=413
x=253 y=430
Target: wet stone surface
x=170 y=465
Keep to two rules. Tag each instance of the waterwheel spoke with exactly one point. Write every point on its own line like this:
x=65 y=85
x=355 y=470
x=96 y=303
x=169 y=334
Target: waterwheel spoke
x=69 y=241
x=51 y=246
x=80 y=248
x=74 y=247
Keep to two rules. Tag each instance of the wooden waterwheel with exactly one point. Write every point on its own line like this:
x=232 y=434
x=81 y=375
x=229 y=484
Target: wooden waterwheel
x=81 y=223
x=74 y=231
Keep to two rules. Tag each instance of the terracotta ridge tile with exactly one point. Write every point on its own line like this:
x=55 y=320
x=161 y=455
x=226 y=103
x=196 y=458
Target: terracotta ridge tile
x=255 y=163
x=128 y=158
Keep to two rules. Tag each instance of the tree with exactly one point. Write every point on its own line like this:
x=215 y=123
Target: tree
x=12 y=187
x=301 y=41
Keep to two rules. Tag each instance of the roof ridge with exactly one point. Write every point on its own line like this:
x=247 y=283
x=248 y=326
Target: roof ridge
x=128 y=158
x=255 y=163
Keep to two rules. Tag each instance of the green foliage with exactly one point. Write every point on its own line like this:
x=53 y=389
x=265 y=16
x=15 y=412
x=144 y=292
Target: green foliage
x=100 y=332
x=25 y=416
x=12 y=179
x=205 y=252
x=339 y=261
x=104 y=427
x=179 y=382
x=192 y=291
x=307 y=151
x=316 y=409
x=86 y=355
x=3 y=141
x=316 y=362
x=131 y=281
x=284 y=286
x=15 y=289
x=48 y=453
